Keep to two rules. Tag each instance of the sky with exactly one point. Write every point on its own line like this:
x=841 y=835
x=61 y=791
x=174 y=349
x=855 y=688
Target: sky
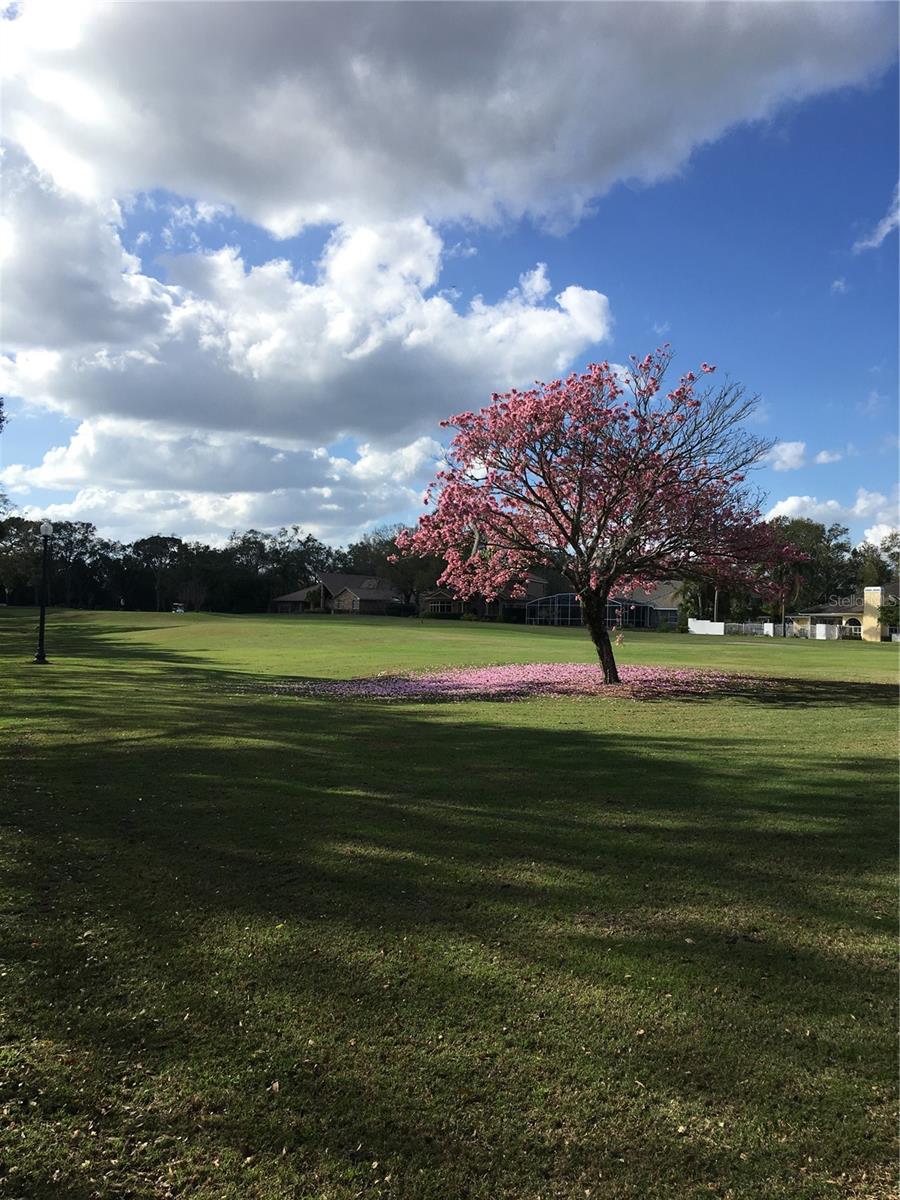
x=253 y=253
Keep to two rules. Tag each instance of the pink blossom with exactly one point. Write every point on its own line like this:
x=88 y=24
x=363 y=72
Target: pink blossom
x=601 y=479
x=522 y=681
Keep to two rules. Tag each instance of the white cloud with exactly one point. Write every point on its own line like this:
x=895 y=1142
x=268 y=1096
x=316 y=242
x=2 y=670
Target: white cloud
x=367 y=349
x=228 y=378
x=886 y=225
x=808 y=506
x=873 y=403
x=205 y=402
x=461 y=250
x=787 y=456
x=185 y=219
x=417 y=460
x=868 y=506
x=877 y=533
x=126 y=514
x=353 y=114
x=828 y=456
x=67 y=280
x=838 y=286
x=535 y=285
x=130 y=476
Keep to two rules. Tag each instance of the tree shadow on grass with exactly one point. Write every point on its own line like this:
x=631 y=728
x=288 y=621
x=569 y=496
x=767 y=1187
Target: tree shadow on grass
x=440 y=935
x=808 y=693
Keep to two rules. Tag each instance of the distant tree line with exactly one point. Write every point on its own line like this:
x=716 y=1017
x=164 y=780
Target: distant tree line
x=152 y=573
x=830 y=569
x=254 y=566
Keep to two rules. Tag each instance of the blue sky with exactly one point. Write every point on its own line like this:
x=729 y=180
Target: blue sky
x=744 y=245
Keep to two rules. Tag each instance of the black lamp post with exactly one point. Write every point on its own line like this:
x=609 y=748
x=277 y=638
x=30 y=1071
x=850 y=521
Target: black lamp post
x=46 y=533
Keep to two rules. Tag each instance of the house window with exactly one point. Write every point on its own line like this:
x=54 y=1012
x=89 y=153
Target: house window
x=443 y=606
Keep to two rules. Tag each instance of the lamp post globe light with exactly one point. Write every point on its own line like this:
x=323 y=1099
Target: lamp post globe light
x=46 y=534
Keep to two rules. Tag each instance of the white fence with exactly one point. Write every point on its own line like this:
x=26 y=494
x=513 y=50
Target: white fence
x=826 y=633
x=820 y=632
x=734 y=628
x=695 y=625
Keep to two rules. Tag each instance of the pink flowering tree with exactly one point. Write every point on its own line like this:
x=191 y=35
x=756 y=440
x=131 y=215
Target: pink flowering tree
x=607 y=478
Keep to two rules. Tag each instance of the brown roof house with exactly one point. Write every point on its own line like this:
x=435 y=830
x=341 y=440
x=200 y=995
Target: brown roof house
x=296 y=602
x=341 y=593
x=441 y=602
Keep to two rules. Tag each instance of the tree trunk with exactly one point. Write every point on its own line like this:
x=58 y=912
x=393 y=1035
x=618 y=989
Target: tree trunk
x=593 y=608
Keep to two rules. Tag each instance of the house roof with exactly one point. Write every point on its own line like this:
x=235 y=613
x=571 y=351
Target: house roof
x=365 y=593
x=851 y=607
x=303 y=594
x=658 y=595
x=360 y=585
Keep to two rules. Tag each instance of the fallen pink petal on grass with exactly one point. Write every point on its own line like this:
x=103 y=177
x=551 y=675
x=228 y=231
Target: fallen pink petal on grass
x=521 y=681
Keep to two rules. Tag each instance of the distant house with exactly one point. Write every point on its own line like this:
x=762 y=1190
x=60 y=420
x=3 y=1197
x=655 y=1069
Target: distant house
x=637 y=609
x=847 y=616
x=845 y=612
x=441 y=602
x=334 y=592
x=295 y=602
x=342 y=593
x=369 y=597
x=653 y=609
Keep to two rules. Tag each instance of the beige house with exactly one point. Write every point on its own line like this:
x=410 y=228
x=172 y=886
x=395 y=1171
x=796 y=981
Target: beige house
x=342 y=593
x=854 y=617
x=370 y=596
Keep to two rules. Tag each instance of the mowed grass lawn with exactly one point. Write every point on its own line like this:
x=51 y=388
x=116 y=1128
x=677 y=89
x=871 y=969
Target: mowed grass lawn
x=262 y=946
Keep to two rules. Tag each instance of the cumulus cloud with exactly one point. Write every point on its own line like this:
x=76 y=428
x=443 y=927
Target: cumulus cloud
x=535 y=285
x=888 y=223
x=126 y=514
x=868 y=506
x=185 y=219
x=367 y=349
x=838 y=286
x=353 y=113
x=130 y=513
x=877 y=533
x=67 y=281
x=229 y=378
x=203 y=401
x=828 y=456
x=164 y=477
x=787 y=456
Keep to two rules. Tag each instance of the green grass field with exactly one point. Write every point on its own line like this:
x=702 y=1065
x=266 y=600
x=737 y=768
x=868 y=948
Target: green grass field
x=258 y=946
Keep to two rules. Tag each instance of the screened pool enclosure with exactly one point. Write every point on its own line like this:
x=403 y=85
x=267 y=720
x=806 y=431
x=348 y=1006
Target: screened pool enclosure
x=565 y=609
